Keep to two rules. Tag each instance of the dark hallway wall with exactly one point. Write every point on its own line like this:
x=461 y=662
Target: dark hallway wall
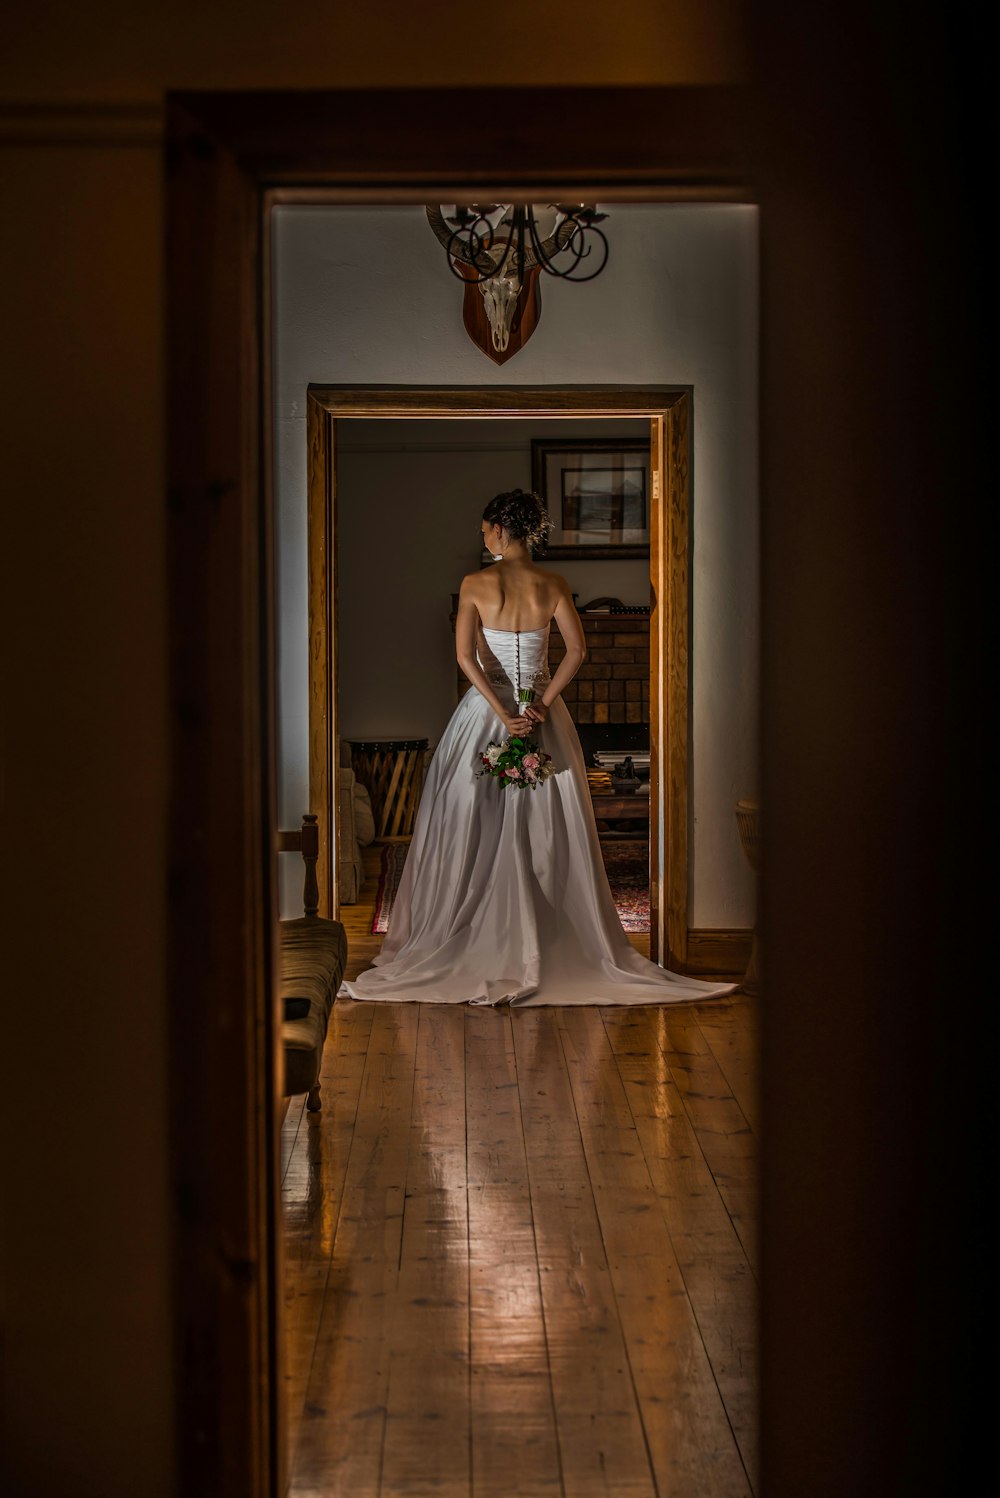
x=86 y=1269
x=871 y=432
x=875 y=620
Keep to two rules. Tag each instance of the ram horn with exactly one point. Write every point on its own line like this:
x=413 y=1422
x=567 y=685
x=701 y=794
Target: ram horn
x=451 y=239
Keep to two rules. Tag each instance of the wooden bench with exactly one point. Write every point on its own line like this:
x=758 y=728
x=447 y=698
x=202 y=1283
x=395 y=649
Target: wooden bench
x=313 y=954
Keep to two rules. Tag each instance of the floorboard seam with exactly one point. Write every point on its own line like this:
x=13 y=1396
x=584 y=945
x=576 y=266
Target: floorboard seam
x=708 y=1164
x=468 y=1244
x=607 y=1259
x=292 y=1146
x=389 y=1318
x=336 y=1228
x=538 y=1268
x=707 y=1037
x=679 y=1262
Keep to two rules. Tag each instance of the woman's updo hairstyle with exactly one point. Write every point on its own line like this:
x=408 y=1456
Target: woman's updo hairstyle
x=522 y=515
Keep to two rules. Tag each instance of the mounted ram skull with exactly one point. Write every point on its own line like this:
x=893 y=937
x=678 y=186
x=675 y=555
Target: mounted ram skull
x=499 y=250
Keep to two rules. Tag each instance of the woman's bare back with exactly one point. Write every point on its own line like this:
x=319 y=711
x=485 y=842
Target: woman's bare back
x=516 y=596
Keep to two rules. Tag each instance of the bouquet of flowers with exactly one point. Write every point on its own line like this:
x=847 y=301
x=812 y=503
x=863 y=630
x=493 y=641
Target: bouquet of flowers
x=516 y=761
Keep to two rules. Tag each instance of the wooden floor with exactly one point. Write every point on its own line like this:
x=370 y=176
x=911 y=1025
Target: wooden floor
x=521 y=1251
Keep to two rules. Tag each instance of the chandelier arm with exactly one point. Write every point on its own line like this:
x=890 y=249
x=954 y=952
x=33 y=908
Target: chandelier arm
x=465 y=243
x=477 y=245
x=537 y=251
x=569 y=275
x=499 y=269
x=542 y=252
x=479 y=249
x=575 y=243
x=473 y=246
x=575 y=246
x=547 y=252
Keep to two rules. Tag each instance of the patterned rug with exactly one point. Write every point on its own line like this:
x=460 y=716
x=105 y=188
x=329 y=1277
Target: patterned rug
x=626 y=860
x=393 y=858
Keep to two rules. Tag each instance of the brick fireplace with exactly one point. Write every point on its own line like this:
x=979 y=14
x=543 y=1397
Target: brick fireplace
x=612 y=685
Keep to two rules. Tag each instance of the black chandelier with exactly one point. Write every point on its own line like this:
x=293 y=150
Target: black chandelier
x=504 y=240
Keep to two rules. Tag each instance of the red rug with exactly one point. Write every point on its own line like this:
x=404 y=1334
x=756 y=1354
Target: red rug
x=626 y=860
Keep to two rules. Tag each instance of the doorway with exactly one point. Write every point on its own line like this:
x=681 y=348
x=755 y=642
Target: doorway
x=232 y=164
x=668 y=415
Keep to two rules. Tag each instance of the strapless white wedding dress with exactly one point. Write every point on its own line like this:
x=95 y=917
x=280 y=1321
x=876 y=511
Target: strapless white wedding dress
x=503 y=898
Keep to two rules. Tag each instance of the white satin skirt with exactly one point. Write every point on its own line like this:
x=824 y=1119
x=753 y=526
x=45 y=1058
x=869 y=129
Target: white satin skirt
x=504 y=897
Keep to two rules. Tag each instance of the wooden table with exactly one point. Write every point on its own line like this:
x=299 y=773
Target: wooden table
x=630 y=808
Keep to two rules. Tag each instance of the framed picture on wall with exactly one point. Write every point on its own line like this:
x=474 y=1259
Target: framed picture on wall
x=597 y=494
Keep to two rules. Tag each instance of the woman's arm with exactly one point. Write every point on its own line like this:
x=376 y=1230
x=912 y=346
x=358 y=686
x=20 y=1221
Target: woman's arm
x=466 y=625
x=568 y=620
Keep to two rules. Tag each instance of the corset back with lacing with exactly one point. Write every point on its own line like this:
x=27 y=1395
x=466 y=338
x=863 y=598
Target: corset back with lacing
x=515 y=657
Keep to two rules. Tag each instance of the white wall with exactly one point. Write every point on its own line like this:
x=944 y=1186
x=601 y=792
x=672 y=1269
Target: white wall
x=362 y=295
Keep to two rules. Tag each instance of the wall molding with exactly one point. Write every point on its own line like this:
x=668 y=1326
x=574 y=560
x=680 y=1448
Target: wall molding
x=416 y=448
x=47 y=123
x=719 y=951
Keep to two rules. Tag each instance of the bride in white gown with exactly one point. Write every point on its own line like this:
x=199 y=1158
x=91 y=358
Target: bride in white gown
x=504 y=897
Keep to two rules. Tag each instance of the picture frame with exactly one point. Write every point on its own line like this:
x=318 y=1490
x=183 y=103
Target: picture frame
x=597 y=492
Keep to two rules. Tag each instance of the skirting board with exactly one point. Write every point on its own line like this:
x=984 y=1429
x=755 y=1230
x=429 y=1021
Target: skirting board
x=719 y=953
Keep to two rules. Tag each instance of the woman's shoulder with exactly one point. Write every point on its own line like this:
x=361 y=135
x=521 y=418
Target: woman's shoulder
x=555 y=580
x=478 y=584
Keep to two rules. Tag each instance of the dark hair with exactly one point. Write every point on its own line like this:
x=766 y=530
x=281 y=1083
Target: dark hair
x=522 y=515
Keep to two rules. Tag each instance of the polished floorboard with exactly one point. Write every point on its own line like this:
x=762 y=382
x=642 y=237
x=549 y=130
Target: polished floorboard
x=520 y=1251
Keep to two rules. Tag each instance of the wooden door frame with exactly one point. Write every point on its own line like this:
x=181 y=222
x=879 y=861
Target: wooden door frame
x=668 y=409
x=230 y=156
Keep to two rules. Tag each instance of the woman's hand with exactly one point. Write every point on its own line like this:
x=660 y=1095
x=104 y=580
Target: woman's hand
x=517 y=727
x=537 y=711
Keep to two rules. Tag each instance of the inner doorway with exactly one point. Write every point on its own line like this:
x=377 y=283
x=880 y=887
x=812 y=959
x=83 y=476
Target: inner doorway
x=666 y=415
